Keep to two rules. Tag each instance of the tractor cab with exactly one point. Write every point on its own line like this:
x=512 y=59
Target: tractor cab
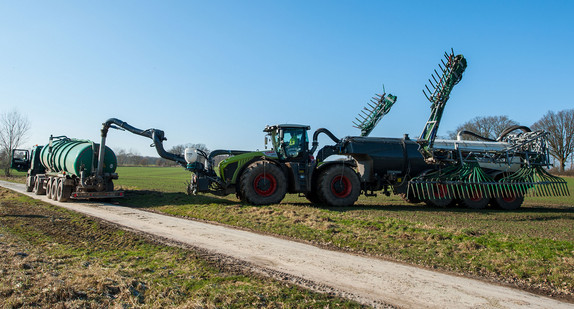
x=290 y=141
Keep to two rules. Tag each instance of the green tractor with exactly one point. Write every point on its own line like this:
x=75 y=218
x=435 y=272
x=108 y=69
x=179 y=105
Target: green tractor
x=264 y=177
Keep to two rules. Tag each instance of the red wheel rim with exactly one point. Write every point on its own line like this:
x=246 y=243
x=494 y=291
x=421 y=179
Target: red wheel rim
x=265 y=184
x=509 y=199
x=341 y=187
x=440 y=191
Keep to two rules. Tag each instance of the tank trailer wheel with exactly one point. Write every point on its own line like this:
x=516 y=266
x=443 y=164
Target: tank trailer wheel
x=508 y=202
x=54 y=188
x=339 y=186
x=29 y=183
x=263 y=183
x=63 y=192
x=476 y=201
x=440 y=198
x=38 y=186
x=49 y=188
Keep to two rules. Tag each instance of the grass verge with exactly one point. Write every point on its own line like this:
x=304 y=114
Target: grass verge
x=532 y=247
x=51 y=257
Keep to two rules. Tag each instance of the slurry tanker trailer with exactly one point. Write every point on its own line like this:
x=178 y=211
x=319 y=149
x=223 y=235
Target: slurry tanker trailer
x=68 y=168
x=500 y=172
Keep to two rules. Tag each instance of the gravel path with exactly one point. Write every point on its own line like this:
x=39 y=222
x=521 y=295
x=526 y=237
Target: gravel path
x=368 y=280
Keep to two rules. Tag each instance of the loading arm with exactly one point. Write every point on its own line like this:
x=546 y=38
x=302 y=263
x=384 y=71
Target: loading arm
x=157 y=136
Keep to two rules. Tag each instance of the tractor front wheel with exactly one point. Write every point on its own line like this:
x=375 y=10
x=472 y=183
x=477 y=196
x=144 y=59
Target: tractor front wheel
x=339 y=185
x=263 y=183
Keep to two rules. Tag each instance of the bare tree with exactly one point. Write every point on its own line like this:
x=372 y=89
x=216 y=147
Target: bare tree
x=560 y=125
x=489 y=127
x=13 y=132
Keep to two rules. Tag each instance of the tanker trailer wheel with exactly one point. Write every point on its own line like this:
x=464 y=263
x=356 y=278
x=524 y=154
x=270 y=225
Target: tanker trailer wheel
x=38 y=186
x=54 y=188
x=439 y=197
x=30 y=183
x=63 y=192
x=476 y=200
x=263 y=183
x=339 y=185
x=509 y=202
x=49 y=188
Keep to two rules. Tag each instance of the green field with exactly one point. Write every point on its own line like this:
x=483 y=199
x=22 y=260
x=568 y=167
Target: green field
x=532 y=247
x=51 y=257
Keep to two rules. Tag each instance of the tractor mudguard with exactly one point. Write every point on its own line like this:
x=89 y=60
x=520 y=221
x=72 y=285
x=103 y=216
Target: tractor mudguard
x=230 y=169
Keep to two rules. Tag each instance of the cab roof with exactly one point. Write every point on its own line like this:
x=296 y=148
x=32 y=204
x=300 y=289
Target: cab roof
x=286 y=126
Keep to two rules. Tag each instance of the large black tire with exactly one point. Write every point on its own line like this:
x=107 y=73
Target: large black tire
x=63 y=191
x=54 y=188
x=338 y=185
x=313 y=198
x=30 y=183
x=49 y=187
x=508 y=203
x=312 y=195
x=440 y=197
x=262 y=183
x=38 y=186
x=476 y=202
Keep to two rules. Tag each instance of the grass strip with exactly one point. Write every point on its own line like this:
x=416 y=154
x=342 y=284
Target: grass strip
x=51 y=257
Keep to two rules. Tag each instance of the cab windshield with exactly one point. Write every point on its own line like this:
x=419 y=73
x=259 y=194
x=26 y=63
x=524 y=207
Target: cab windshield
x=294 y=142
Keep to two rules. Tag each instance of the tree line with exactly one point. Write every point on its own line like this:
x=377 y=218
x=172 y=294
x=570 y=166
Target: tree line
x=133 y=158
x=560 y=125
x=14 y=129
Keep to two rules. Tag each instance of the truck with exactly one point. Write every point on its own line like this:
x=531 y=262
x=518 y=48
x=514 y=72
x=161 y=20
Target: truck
x=499 y=171
x=68 y=168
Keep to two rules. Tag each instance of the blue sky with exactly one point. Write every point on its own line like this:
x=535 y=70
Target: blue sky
x=216 y=72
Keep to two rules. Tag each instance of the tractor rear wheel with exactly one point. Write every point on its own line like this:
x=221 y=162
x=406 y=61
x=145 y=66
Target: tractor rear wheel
x=338 y=185
x=263 y=183
x=312 y=195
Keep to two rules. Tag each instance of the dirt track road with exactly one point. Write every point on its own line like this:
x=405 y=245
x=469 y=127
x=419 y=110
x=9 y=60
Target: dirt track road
x=368 y=280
